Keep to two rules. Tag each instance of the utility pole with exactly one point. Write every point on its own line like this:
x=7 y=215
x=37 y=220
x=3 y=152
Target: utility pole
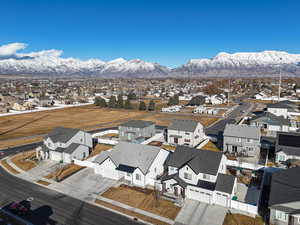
x=279 y=87
x=228 y=92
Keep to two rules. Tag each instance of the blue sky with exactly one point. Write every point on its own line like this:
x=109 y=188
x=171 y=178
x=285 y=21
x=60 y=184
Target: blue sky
x=167 y=32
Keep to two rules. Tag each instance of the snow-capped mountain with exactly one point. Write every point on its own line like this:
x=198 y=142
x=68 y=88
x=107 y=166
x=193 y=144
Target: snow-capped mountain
x=244 y=63
x=50 y=62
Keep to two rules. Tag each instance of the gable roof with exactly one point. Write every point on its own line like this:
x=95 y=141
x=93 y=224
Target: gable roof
x=225 y=183
x=200 y=161
x=283 y=104
x=233 y=130
x=271 y=119
x=183 y=125
x=137 y=123
x=131 y=154
x=289 y=143
x=285 y=186
x=62 y=134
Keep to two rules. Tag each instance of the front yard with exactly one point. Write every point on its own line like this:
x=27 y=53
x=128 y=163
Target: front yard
x=143 y=199
x=100 y=148
x=239 y=219
x=25 y=160
x=62 y=173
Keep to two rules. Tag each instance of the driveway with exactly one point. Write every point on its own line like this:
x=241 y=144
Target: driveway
x=199 y=213
x=85 y=184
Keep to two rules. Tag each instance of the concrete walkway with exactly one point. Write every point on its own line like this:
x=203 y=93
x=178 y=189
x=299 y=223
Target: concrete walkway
x=133 y=209
x=199 y=213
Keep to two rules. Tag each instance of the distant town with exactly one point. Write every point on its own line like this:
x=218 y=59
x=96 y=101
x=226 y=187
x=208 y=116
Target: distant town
x=151 y=151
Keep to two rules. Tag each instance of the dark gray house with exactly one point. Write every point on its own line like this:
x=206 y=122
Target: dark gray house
x=287 y=147
x=136 y=130
x=241 y=140
x=284 y=201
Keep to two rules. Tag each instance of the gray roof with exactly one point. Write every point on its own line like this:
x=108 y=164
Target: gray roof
x=62 y=134
x=183 y=125
x=131 y=154
x=71 y=148
x=283 y=104
x=200 y=161
x=225 y=183
x=285 y=187
x=137 y=123
x=271 y=119
x=233 y=130
x=289 y=143
x=175 y=177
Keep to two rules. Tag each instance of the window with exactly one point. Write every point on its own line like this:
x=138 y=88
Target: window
x=155 y=170
x=281 y=216
x=188 y=176
x=206 y=176
x=187 y=133
x=80 y=139
x=238 y=139
x=128 y=174
x=249 y=140
x=138 y=177
x=187 y=140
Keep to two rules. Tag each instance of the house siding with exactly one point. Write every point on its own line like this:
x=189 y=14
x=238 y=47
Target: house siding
x=241 y=145
x=131 y=133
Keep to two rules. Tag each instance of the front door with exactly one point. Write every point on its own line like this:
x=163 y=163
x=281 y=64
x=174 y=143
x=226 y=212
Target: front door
x=176 y=191
x=183 y=192
x=176 y=140
x=234 y=149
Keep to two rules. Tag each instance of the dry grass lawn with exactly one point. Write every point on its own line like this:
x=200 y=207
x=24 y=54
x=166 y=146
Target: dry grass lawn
x=144 y=201
x=8 y=167
x=211 y=147
x=239 y=219
x=100 y=148
x=13 y=143
x=61 y=174
x=24 y=160
x=85 y=117
x=168 y=147
x=42 y=182
x=131 y=213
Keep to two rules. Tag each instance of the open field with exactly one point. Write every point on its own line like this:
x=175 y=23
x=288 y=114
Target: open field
x=100 y=148
x=85 y=117
x=130 y=213
x=239 y=219
x=8 y=167
x=23 y=160
x=144 y=200
x=17 y=142
x=62 y=173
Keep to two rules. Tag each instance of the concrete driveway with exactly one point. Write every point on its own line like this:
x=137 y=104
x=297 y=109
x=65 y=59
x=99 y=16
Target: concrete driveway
x=85 y=184
x=199 y=213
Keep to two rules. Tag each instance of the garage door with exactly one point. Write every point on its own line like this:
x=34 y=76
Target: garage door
x=221 y=200
x=198 y=195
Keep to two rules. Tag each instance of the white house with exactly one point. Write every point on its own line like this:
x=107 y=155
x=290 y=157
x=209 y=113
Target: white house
x=185 y=132
x=283 y=108
x=287 y=147
x=136 y=164
x=65 y=144
x=199 y=175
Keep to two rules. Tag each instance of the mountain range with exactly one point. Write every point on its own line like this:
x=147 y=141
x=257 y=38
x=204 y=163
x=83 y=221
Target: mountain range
x=50 y=62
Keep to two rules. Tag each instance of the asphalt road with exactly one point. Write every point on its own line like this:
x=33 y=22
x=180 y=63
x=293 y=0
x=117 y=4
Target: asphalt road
x=232 y=117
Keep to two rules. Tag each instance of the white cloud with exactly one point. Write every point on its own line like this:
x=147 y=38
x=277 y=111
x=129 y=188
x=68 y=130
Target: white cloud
x=44 y=53
x=11 y=49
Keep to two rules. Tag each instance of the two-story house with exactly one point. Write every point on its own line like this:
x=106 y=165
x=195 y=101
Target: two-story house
x=136 y=130
x=284 y=200
x=287 y=147
x=65 y=144
x=136 y=164
x=270 y=124
x=241 y=140
x=185 y=132
x=199 y=175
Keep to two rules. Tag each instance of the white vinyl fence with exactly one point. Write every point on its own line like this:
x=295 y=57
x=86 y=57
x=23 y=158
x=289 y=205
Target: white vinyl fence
x=244 y=165
x=252 y=209
x=106 y=140
x=84 y=163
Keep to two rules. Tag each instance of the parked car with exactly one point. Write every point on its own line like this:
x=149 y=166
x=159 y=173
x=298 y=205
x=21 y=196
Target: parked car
x=1 y=153
x=20 y=208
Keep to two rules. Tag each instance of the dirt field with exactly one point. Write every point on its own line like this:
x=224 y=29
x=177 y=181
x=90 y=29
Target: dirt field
x=211 y=147
x=145 y=201
x=86 y=117
x=60 y=174
x=45 y=183
x=22 y=160
x=12 y=143
x=239 y=219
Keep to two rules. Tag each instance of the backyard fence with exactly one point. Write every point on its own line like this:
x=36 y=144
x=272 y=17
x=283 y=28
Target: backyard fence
x=252 y=209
